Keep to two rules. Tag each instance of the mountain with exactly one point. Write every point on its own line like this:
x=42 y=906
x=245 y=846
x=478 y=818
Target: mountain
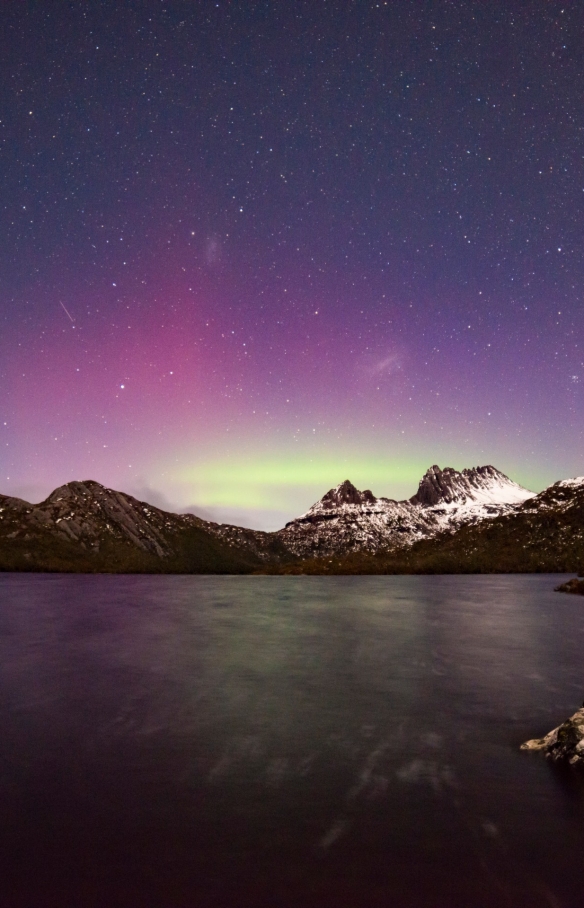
x=85 y=527
x=346 y=520
x=544 y=533
x=457 y=522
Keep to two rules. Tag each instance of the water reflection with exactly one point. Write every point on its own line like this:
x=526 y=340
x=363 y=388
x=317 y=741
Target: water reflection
x=315 y=741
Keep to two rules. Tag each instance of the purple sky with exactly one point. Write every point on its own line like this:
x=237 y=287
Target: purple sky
x=250 y=250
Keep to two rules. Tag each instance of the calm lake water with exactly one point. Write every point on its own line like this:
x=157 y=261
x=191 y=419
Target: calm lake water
x=302 y=741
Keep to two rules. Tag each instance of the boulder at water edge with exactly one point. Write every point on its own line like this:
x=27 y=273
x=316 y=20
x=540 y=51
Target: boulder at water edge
x=571 y=586
x=566 y=742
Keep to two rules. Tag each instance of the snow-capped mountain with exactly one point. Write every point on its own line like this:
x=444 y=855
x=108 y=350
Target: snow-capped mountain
x=477 y=486
x=347 y=520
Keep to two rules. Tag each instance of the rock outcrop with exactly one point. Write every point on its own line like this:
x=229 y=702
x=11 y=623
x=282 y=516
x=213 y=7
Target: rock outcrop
x=576 y=585
x=566 y=742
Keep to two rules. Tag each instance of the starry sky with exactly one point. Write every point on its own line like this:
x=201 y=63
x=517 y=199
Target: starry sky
x=251 y=249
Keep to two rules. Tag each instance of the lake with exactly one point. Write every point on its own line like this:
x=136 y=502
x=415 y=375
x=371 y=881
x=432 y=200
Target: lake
x=287 y=741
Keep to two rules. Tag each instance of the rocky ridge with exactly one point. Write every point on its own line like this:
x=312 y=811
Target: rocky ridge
x=346 y=520
x=85 y=526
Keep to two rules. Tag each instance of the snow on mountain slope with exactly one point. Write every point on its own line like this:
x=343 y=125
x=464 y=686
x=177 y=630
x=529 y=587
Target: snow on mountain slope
x=478 y=485
x=571 y=483
x=347 y=520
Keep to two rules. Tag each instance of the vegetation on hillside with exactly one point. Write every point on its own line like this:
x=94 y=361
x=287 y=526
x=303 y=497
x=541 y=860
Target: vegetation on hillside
x=193 y=552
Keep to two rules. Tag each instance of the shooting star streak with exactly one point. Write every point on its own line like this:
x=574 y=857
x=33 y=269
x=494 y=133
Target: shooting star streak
x=68 y=313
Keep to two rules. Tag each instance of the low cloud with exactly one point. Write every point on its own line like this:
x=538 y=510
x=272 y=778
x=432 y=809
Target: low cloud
x=253 y=518
x=158 y=500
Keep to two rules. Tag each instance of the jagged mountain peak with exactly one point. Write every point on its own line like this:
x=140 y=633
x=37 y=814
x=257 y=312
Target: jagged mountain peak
x=347 y=493
x=343 y=498
x=483 y=485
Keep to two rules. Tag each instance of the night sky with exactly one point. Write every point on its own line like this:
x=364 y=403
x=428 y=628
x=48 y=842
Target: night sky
x=252 y=249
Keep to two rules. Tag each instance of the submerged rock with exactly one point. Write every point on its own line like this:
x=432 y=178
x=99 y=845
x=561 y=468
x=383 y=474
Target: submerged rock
x=566 y=742
x=576 y=585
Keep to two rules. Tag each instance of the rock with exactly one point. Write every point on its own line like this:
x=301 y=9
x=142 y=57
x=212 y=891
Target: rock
x=566 y=742
x=576 y=585
x=346 y=493
x=486 y=484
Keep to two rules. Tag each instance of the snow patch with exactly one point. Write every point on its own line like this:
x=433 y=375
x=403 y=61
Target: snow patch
x=571 y=483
